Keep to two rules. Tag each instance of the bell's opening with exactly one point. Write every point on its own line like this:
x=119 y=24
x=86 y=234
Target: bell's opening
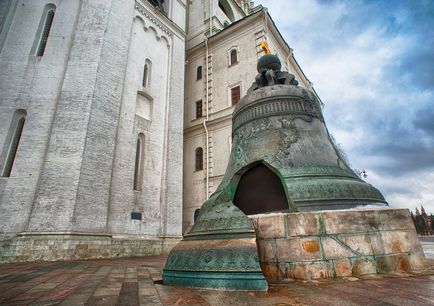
x=260 y=191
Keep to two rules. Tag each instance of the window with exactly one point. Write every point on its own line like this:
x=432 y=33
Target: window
x=49 y=16
x=146 y=73
x=12 y=141
x=138 y=168
x=235 y=95
x=226 y=9
x=234 y=57
x=199 y=109
x=198 y=165
x=159 y=4
x=199 y=73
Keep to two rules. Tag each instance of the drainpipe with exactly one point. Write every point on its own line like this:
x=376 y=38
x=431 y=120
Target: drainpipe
x=205 y=121
x=206 y=118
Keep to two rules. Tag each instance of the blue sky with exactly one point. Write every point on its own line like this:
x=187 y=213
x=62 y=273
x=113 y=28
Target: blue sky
x=372 y=64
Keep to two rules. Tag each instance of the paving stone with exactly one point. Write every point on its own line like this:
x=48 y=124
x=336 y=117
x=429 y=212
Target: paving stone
x=129 y=294
x=180 y=296
x=381 y=291
x=152 y=300
x=106 y=282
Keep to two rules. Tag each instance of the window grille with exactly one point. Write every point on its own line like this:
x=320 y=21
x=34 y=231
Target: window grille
x=199 y=159
x=235 y=95
x=234 y=57
x=199 y=109
x=199 y=73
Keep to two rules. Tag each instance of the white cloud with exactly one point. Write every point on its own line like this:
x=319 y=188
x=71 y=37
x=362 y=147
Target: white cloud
x=406 y=191
x=367 y=108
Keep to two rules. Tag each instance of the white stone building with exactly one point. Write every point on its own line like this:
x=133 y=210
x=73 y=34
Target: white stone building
x=90 y=131
x=221 y=66
x=102 y=153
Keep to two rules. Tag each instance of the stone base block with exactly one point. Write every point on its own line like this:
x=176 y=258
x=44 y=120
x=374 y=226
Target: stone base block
x=72 y=246
x=337 y=243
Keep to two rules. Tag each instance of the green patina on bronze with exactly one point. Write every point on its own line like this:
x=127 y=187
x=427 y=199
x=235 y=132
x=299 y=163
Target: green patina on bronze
x=279 y=125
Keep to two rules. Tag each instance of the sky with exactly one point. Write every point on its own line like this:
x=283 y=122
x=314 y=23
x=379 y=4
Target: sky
x=372 y=64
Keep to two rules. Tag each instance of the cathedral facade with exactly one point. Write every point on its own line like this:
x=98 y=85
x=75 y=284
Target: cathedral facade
x=90 y=130
x=222 y=53
x=115 y=119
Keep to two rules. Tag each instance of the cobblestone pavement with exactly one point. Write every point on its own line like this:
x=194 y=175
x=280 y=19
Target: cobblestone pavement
x=137 y=281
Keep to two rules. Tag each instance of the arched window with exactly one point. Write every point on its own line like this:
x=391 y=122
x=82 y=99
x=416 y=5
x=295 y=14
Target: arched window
x=147 y=73
x=199 y=73
x=138 y=168
x=12 y=141
x=48 y=18
x=198 y=165
x=234 y=56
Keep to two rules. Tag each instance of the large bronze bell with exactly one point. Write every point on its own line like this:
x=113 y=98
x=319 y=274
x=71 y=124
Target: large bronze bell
x=282 y=160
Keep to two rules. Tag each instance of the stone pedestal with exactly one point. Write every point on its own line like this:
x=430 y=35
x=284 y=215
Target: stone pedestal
x=51 y=246
x=342 y=243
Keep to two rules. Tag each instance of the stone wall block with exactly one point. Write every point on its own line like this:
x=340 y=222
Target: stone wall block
x=396 y=219
x=417 y=260
x=295 y=253
x=415 y=245
x=333 y=249
x=363 y=266
x=303 y=224
x=296 y=270
x=271 y=227
x=309 y=271
x=364 y=244
x=393 y=264
x=271 y=271
x=352 y=221
x=267 y=250
x=74 y=248
x=284 y=268
x=417 y=256
x=396 y=242
x=310 y=248
x=282 y=249
x=342 y=267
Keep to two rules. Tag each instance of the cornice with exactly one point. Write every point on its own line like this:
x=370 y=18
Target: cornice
x=145 y=10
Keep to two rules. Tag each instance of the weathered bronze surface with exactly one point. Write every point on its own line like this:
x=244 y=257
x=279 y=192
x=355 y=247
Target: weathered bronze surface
x=277 y=126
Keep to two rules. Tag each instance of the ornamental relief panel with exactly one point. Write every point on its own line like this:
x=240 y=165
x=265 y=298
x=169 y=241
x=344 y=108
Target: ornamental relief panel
x=269 y=138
